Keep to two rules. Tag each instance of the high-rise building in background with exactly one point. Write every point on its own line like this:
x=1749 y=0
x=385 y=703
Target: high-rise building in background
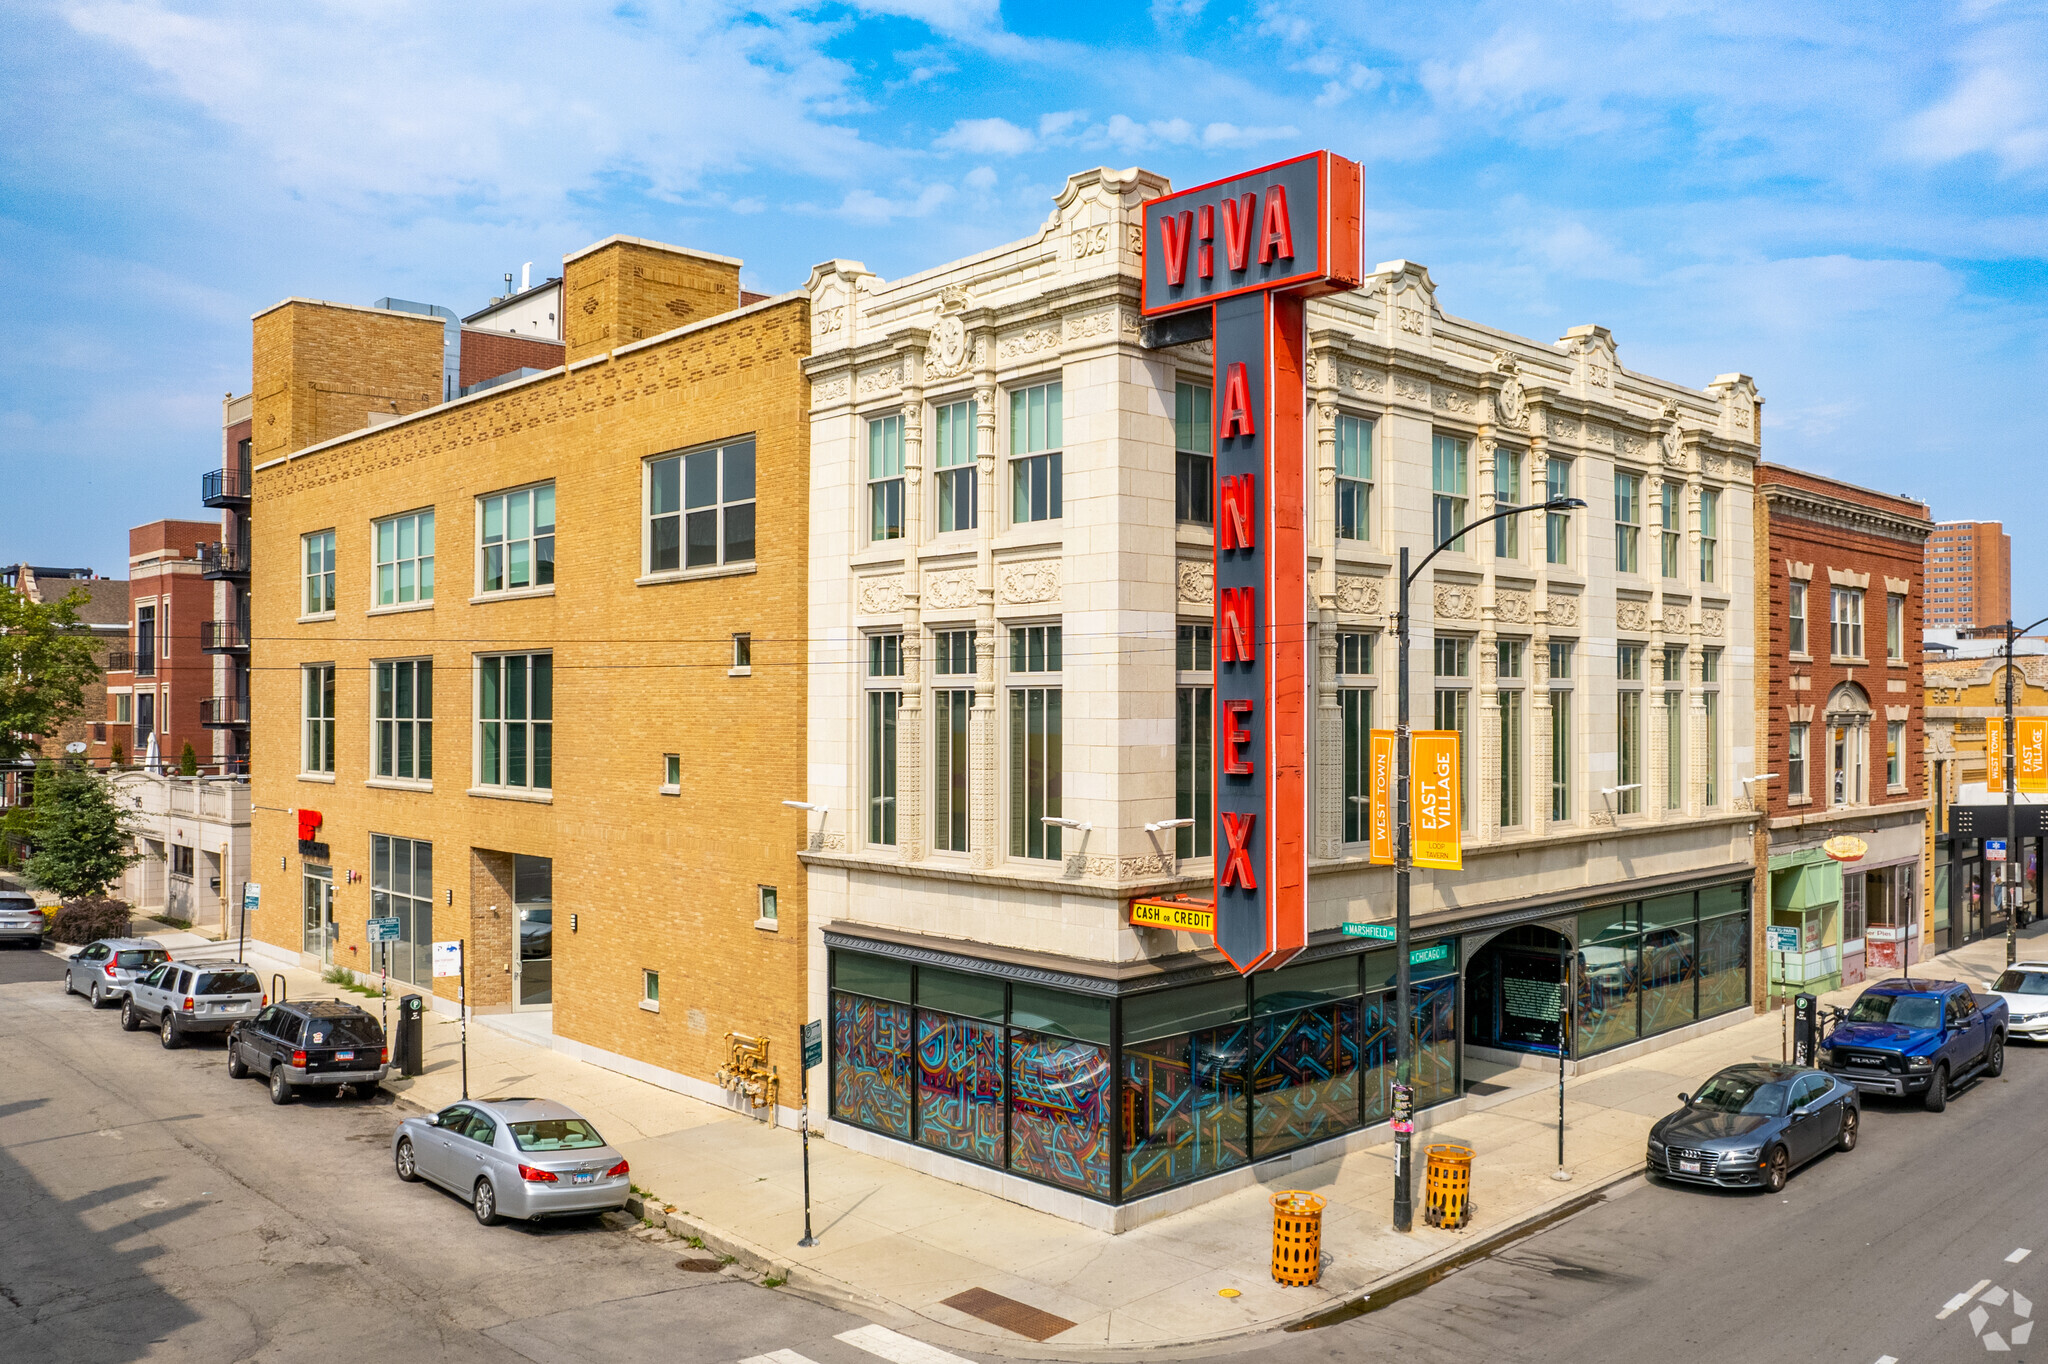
x=1969 y=576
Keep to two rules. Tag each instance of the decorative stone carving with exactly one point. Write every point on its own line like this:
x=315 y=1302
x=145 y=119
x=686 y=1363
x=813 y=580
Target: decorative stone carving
x=881 y=380
x=1632 y=615
x=1095 y=324
x=1562 y=610
x=1674 y=619
x=1359 y=596
x=1120 y=868
x=1026 y=343
x=1196 y=584
x=1413 y=390
x=948 y=354
x=1715 y=465
x=829 y=391
x=950 y=590
x=1714 y=623
x=1456 y=601
x=827 y=321
x=1451 y=399
x=1511 y=605
x=1409 y=318
x=1564 y=427
x=1361 y=381
x=881 y=596
x=1034 y=581
x=1510 y=402
x=1088 y=239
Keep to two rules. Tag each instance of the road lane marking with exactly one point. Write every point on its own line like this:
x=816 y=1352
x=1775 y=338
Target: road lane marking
x=898 y=1349
x=2021 y=1304
x=1959 y=1300
x=779 y=1357
x=1994 y=1296
x=2021 y=1332
x=2018 y=1255
x=1979 y=1319
x=1886 y=1359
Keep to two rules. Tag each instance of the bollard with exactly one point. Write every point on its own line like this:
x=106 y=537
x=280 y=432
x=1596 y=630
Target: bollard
x=1448 y=1200
x=1297 y=1237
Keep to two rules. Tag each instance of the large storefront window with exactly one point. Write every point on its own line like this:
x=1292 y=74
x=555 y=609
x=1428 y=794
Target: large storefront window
x=960 y=1064
x=1184 y=1084
x=1305 y=1043
x=1650 y=966
x=1060 y=1088
x=871 y=1042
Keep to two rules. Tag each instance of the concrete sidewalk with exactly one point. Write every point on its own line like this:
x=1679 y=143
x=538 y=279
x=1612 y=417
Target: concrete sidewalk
x=895 y=1244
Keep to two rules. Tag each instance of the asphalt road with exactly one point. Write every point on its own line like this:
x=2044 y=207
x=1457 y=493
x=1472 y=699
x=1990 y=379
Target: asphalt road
x=151 y=1207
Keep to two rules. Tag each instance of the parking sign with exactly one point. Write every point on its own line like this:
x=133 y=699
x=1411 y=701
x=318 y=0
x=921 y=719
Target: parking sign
x=448 y=958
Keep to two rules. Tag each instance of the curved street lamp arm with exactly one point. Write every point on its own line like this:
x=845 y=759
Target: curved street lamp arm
x=1560 y=504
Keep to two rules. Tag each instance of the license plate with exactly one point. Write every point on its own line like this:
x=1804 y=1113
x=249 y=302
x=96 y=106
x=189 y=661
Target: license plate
x=344 y=1056
x=584 y=1177
x=1688 y=1167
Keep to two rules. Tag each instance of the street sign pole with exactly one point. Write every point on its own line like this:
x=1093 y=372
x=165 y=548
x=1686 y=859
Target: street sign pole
x=812 y=1049
x=462 y=1009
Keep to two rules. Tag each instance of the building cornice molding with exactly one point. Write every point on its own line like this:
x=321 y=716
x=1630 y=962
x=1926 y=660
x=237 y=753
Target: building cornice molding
x=1838 y=513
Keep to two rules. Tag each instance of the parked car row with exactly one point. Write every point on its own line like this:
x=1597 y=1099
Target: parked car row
x=1751 y=1125
x=510 y=1158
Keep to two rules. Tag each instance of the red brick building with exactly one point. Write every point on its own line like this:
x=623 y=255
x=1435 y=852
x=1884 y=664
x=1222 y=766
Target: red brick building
x=1969 y=576
x=156 y=685
x=1840 y=579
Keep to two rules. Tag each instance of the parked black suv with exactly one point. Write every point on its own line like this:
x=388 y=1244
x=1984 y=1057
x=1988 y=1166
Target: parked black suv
x=311 y=1043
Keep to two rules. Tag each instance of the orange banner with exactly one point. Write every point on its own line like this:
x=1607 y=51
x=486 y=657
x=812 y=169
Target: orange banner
x=1433 y=783
x=1380 y=789
x=2030 y=756
x=1994 y=755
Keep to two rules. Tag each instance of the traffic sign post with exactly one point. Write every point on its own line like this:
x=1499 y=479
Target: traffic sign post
x=1994 y=850
x=813 y=1055
x=448 y=962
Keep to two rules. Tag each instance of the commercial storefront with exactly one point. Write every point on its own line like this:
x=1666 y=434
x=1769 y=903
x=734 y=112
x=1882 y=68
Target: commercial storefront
x=1117 y=1091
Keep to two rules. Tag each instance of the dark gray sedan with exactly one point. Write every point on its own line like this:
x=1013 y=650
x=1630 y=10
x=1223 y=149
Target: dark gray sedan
x=1752 y=1125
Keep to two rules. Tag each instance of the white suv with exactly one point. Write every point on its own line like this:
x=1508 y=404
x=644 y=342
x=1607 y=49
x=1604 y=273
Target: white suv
x=20 y=920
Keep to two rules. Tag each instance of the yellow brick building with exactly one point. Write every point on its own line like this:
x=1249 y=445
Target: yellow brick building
x=528 y=667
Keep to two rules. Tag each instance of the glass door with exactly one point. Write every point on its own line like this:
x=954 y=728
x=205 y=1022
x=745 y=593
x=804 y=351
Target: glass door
x=533 y=967
x=319 y=922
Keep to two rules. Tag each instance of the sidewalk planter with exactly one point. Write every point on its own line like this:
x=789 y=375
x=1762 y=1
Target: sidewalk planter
x=1297 y=1238
x=1447 y=1200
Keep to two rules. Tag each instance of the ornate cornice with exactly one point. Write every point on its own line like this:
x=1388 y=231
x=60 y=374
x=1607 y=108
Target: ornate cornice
x=1838 y=513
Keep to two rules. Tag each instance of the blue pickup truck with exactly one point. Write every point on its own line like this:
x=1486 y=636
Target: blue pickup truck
x=1904 y=1037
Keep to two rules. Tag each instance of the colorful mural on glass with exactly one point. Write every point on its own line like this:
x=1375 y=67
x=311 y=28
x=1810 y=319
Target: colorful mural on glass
x=1183 y=1107
x=960 y=1086
x=1059 y=1111
x=1304 y=1076
x=871 y=1063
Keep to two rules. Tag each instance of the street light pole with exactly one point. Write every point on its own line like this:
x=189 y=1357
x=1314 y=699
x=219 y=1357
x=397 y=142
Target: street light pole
x=1404 y=1022
x=2013 y=889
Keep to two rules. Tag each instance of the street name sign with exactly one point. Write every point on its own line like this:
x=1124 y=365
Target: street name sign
x=1377 y=932
x=381 y=930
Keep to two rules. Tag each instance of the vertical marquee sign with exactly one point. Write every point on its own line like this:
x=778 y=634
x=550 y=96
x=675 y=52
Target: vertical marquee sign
x=1251 y=250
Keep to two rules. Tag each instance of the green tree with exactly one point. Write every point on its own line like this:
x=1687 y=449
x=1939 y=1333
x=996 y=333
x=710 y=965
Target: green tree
x=45 y=663
x=83 y=840
x=188 y=761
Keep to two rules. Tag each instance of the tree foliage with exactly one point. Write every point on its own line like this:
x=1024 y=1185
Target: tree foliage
x=188 y=761
x=83 y=840
x=45 y=663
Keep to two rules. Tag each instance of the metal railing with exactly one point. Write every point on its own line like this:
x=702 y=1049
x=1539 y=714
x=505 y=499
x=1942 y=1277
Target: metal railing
x=224 y=710
x=223 y=559
x=120 y=660
x=217 y=636
x=224 y=486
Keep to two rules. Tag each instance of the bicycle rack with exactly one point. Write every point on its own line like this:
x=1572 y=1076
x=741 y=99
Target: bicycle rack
x=277 y=988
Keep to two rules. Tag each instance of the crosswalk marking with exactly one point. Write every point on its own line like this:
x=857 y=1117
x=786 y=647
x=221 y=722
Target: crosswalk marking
x=1961 y=1298
x=779 y=1357
x=2018 y=1255
x=898 y=1349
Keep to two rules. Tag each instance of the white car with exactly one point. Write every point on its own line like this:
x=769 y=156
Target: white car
x=2024 y=988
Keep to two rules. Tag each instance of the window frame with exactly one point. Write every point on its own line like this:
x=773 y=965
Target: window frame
x=1194 y=453
x=1511 y=684
x=1628 y=521
x=1628 y=728
x=1710 y=536
x=720 y=508
x=1354 y=486
x=884 y=484
x=1557 y=526
x=421 y=561
x=952 y=706
x=1894 y=756
x=1452 y=665
x=1798 y=764
x=1357 y=704
x=881 y=710
x=316 y=566
x=949 y=478
x=1035 y=669
x=1507 y=532
x=533 y=757
x=1194 y=748
x=1669 y=519
x=419 y=724
x=1450 y=507
x=1845 y=623
x=316 y=744
x=1796 y=622
x=1562 y=688
x=1037 y=472
x=532 y=539
x=1894 y=627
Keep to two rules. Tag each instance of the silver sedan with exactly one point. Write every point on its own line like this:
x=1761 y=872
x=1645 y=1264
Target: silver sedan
x=518 y=1158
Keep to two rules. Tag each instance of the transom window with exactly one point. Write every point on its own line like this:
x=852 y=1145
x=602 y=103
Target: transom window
x=957 y=470
x=405 y=559
x=319 y=572
x=700 y=508
x=1035 y=444
x=516 y=548
x=515 y=720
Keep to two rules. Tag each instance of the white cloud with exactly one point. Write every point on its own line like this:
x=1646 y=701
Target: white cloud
x=982 y=178
x=865 y=206
x=1169 y=13
x=987 y=137
x=1230 y=135
x=1996 y=108
x=1055 y=125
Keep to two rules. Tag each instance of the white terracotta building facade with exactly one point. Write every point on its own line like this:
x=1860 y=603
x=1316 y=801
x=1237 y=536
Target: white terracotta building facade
x=1010 y=612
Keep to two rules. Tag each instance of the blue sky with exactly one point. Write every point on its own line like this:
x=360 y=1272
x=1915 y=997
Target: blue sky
x=1849 y=202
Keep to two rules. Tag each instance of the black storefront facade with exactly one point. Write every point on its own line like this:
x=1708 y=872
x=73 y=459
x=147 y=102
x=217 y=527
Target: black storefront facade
x=1124 y=1086
x=1967 y=907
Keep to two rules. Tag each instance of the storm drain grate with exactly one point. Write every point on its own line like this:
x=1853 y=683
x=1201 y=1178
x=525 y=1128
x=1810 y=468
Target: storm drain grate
x=700 y=1266
x=1009 y=1314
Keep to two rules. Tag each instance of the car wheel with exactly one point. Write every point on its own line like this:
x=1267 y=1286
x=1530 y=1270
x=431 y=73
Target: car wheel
x=485 y=1203
x=167 y=1031
x=130 y=1020
x=1994 y=1059
x=238 y=1069
x=1936 y=1097
x=94 y=998
x=68 y=988
x=1777 y=1169
x=1847 y=1140
x=408 y=1168
x=280 y=1088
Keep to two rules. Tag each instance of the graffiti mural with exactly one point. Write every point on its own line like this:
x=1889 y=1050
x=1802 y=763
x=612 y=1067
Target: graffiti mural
x=1670 y=978
x=1183 y=1107
x=1059 y=1111
x=1304 y=1076
x=871 y=1063
x=960 y=1086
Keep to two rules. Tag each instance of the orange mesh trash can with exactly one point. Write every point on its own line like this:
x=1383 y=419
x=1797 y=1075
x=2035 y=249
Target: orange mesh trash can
x=1297 y=1237
x=1448 y=1187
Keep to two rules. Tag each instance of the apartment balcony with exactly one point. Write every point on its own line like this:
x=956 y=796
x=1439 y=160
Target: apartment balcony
x=230 y=562
x=225 y=488
x=224 y=636
x=120 y=660
x=224 y=712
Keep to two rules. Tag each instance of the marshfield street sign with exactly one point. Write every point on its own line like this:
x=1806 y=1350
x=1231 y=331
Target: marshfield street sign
x=1377 y=932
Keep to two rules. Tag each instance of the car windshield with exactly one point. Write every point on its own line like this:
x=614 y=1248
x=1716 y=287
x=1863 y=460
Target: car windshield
x=229 y=983
x=140 y=958
x=343 y=1032
x=1733 y=1094
x=2023 y=983
x=1908 y=1011
x=555 y=1134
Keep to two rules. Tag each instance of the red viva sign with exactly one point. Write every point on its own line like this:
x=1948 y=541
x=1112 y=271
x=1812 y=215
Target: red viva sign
x=1252 y=250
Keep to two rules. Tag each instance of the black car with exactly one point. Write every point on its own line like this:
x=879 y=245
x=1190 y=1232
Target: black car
x=314 y=1043
x=1750 y=1126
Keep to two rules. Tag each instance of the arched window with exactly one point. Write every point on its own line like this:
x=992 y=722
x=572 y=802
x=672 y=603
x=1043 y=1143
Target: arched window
x=1848 y=739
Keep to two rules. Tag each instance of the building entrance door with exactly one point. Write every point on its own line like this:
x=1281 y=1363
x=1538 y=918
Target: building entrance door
x=533 y=962
x=1514 y=991
x=319 y=899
